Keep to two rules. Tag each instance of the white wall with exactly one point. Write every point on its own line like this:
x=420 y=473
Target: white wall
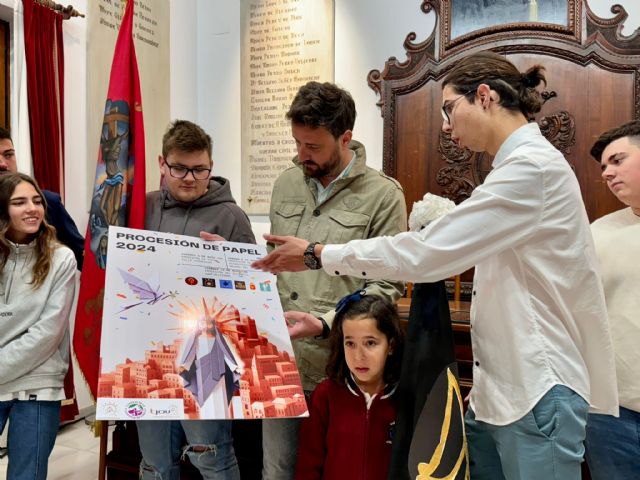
x=367 y=34
x=183 y=59
x=76 y=155
x=79 y=162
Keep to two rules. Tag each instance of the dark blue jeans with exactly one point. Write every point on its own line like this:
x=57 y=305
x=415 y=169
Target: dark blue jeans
x=613 y=445
x=33 y=426
x=279 y=448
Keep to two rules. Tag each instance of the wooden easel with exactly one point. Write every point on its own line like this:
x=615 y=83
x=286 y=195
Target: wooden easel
x=104 y=439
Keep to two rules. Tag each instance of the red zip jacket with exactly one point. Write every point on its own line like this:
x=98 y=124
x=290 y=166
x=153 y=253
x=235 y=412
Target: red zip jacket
x=342 y=438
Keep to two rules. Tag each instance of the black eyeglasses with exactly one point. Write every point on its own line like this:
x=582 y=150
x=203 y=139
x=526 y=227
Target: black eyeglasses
x=178 y=171
x=447 y=108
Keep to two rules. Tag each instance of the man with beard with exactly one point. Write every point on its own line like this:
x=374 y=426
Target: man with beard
x=330 y=195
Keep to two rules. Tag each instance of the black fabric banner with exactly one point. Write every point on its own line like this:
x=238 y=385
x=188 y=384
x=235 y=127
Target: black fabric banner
x=429 y=440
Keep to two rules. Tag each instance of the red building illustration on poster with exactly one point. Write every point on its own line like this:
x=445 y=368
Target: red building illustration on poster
x=269 y=386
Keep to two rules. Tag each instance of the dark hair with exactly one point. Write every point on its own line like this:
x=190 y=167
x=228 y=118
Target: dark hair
x=629 y=129
x=5 y=134
x=387 y=321
x=323 y=105
x=45 y=237
x=185 y=136
x=517 y=90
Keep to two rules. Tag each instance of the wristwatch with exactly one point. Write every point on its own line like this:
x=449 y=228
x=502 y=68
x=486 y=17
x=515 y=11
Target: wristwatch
x=309 y=257
x=326 y=329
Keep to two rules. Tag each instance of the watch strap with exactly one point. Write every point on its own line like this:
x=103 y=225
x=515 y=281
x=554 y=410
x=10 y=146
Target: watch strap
x=325 y=330
x=309 y=257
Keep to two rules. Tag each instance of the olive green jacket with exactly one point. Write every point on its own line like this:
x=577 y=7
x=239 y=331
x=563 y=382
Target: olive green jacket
x=364 y=204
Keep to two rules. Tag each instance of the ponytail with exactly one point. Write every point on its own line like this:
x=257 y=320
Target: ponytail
x=517 y=90
x=530 y=100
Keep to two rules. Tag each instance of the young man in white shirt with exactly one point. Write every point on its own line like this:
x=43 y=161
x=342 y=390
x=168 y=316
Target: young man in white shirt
x=540 y=336
x=613 y=446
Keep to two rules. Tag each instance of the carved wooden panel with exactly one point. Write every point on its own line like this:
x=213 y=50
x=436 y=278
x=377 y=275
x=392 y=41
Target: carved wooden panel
x=464 y=170
x=593 y=84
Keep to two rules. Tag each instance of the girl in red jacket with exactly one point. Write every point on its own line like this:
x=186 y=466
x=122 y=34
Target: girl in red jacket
x=352 y=413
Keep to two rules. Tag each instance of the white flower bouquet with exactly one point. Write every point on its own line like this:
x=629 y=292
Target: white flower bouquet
x=427 y=210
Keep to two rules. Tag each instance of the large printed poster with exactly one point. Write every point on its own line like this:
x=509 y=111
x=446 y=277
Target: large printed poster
x=190 y=331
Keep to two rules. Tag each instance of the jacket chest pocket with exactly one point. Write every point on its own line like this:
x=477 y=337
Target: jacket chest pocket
x=286 y=219
x=345 y=226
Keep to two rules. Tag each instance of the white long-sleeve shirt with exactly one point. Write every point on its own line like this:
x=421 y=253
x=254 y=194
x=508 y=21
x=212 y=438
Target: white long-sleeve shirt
x=617 y=239
x=538 y=315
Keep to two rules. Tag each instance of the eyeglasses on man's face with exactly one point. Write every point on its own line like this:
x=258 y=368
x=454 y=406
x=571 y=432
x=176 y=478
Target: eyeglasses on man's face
x=447 y=108
x=178 y=171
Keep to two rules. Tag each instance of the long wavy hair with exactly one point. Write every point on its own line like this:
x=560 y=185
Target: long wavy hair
x=387 y=321
x=45 y=237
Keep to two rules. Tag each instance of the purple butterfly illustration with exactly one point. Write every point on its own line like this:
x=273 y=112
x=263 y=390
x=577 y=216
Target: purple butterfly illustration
x=148 y=293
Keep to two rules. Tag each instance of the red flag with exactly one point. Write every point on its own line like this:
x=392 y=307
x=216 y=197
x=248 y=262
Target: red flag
x=116 y=200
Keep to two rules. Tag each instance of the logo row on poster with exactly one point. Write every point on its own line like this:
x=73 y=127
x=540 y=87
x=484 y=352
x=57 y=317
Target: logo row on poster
x=229 y=284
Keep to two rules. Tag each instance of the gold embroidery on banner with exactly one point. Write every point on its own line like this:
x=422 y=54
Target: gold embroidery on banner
x=425 y=470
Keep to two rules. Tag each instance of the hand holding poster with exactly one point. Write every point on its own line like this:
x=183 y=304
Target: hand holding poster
x=190 y=331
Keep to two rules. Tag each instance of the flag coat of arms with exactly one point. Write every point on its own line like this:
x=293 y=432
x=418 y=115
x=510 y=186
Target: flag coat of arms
x=116 y=199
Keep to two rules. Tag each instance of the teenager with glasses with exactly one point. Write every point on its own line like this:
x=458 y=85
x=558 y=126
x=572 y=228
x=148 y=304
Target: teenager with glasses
x=191 y=202
x=541 y=342
x=178 y=171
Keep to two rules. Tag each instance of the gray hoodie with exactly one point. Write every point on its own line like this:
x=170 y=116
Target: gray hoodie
x=215 y=212
x=34 y=324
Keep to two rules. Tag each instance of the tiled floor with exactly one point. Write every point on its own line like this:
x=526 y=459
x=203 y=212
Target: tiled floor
x=75 y=456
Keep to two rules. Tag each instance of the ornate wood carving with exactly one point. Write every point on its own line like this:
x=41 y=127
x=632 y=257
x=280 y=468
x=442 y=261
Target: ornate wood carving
x=417 y=53
x=434 y=71
x=454 y=178
x=546 y=96
x=582 y=73
x=608 y=32
x=586 y=56
x=560 y=130
x=465 y=170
